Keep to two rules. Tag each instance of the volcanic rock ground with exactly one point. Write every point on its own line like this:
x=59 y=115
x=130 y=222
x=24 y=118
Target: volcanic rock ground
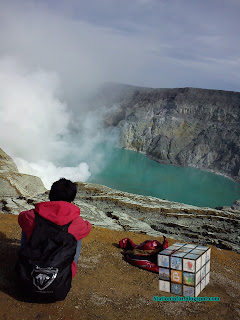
x=107 y=287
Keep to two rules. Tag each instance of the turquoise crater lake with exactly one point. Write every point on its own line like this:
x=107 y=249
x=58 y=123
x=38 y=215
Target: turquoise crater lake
x=133 y=172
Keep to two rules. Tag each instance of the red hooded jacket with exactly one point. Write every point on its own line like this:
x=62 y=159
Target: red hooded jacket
x=61 y=213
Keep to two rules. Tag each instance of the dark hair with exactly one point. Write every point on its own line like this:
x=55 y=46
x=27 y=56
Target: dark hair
x=63 y=190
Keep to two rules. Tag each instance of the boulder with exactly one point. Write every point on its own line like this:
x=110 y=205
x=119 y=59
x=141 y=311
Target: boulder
x=13 y=183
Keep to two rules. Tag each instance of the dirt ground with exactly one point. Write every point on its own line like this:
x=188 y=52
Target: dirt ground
x=107 y=287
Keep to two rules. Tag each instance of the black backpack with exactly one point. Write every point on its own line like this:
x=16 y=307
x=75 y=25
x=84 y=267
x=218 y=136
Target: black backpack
x=44 y=265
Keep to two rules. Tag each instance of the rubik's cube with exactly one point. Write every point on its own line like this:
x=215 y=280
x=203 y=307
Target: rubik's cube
x=184 y=269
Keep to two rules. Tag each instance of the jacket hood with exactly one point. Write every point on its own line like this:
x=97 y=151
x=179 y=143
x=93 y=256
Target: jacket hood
x=59 y=212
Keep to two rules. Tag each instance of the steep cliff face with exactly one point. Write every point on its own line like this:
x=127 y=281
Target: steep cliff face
x=185 y=127
x=13 y=183
x=6 y=163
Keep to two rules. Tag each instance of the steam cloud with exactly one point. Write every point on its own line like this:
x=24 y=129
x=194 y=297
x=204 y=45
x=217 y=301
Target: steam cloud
x=34 y=122
x=50 y=63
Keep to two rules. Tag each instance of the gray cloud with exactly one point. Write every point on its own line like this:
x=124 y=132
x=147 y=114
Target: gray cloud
x=139 y=42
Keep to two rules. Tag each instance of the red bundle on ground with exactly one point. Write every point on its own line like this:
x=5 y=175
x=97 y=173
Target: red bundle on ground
x=143 y=255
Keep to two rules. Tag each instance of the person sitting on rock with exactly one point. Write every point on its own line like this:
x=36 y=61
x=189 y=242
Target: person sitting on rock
x=60 y=210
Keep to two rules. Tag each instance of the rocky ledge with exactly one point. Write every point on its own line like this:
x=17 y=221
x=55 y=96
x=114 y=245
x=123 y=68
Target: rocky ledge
x=118 y=210
x=121 y=210
x=113 y=209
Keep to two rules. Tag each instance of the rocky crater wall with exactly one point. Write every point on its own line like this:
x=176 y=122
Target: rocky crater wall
x=183 y=127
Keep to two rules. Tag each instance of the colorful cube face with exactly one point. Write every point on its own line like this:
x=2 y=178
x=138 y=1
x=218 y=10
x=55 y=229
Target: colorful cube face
x=192 y=246
x=184 y=269
x=163 y=261
x=203 y=283
x=196 y=251
x=188 y=291
x=192 y=262
x=203 y=248
x=167 y=252
x=179 y=244
x=164 y=286
x=179 y=254
x=176 y=276
x=189 y=278
x=208 y=253
x=197 y=290
x=198 y=277
x=176 y=288
x=164 y=274
x=204 y=256
x=207 y=267
x=176 y=263
x=189 y=265
x=183 y=249
x=207 y=278
x=173 y=248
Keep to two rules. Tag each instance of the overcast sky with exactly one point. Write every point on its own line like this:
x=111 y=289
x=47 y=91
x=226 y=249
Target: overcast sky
x=153 y=43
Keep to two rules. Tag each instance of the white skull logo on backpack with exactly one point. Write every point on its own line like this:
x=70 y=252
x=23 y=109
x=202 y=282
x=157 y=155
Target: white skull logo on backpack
x=43 y=277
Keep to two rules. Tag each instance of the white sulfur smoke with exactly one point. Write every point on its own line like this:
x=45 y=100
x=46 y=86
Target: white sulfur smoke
x=50 y=62
x=50 y=173
x=34 y=121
